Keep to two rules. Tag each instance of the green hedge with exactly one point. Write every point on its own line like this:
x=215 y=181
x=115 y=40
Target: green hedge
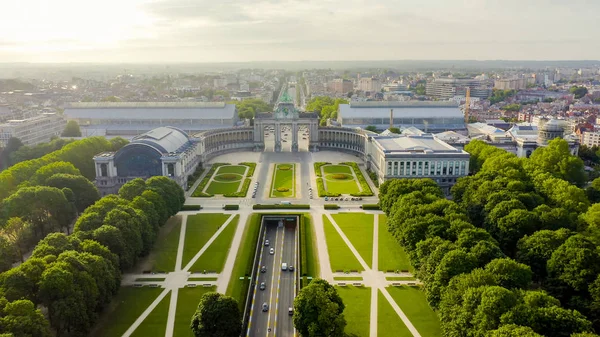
x=198 y=192
x=366 y=189
x=373 y=177
x=318 y=165
x=252 y=167
x=279 y=206
x=231 y=207
x=321 y=190
x=331 y=206
x=374 y=207
x=194 y=176
x=242 y=193
x=191 y=207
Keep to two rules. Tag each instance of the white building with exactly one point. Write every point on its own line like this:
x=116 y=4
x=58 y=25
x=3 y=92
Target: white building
x=133 y=118
x=590 y=139
x=417 y=156
x=370 y=84
x=32 y=131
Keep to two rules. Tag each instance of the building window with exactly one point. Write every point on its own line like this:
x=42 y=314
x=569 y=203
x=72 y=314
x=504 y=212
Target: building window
x=389 y=168
x=170 y=170
x=103 y=170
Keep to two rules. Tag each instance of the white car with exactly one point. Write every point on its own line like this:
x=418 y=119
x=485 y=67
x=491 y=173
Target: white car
x=266 y=242
x=272 y=251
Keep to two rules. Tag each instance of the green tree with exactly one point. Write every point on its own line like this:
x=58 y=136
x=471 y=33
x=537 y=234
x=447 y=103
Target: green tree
x=536 y=249
x=318 y=311
x=395 y=130
x=513 y=330
x=85 y=193
x=217 y=316
x=13 y=145
x=71 y=129
x=248 y=108
x=557 y=160
x=21 y=318
x=117 y=143
x=132 y=189
x=18 y=233
x=46 y=171
x=371 y=128
x=578 y=91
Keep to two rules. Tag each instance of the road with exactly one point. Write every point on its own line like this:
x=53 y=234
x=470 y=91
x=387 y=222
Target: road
x=279 y=284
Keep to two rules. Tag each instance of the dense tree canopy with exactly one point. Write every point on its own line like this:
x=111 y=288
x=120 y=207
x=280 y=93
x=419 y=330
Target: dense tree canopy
x=318 y=311
x=248 y=108
x=217 y=316
x=71 y=129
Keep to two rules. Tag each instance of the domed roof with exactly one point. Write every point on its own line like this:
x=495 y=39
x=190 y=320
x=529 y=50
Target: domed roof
x=553 y=125
x=165 y=139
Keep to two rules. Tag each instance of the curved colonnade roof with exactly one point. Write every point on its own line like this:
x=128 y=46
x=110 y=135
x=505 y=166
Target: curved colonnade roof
x=165 y=139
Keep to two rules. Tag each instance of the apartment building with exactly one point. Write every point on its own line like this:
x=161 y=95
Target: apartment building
x=370 y=84
x=340 y=86
x=446 y=88
x=32 y=131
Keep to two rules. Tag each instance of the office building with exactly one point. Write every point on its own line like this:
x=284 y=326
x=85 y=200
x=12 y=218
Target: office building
x=511 y=83
x=340 y=86
x=446 y=88
x=32 y=131
x=369 y=84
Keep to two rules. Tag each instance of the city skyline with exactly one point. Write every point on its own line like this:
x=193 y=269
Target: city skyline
x=154 y=31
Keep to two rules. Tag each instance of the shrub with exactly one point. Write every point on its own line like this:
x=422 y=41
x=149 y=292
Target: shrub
x=339 y=176
x=331 y=206
x=280 y=206
x=229 y=176
x=194 y=176
x=282 y=189
x=231 y=207
x=373 y=177
x=284 y=167
x=317 y=166
x=242 y=193
x=374 y=207
x=191 y=207
x=366 y=189
x=252 y=167
x=321 y=189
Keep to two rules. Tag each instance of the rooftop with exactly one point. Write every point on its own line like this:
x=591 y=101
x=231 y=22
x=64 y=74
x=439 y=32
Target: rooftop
x=404 y=144
x=150 y=110
x=165 y=139
x=410 y=109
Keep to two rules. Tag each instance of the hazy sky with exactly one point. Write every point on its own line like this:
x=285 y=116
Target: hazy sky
x=293 y=30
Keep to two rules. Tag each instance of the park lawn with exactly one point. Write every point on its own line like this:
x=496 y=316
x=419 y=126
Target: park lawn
x=389 y=324
x=214 y=257
x=340 y=256
x=413 y=303
x=239 y=169
x=244 y=259
x=285 y=179
x=200 y=228
x=164 y=254
x=358 y=309
x=342 y=186
x=391 y=255
x=156 y=322
x=358 y=227
x=124 y=309
x=310 y=247
x=187 y=303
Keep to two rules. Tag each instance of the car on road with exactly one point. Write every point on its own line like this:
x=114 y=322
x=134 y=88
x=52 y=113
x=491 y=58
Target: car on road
x=262 y=286
x=263 y=269
x=291 y=268
x=290 y=311
x=265 y=307
x=284 y=266
x=266 y=242
x=272 y=251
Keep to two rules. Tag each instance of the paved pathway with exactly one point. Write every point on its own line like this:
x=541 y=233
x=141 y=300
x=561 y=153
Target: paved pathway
x=223 y=280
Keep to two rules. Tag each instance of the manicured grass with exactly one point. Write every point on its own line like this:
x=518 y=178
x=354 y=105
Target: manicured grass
x=389 y=324
x=202 y=279
x=222 y=184
x=391 y=254
x=199 y=229
x=152 y=279
x=124 y=309
x=164 y=254
x=413 y=303
x=342 y=186
x=309 y=247
x=283 y=178
x=400 y=278
x=214 y=257
x=237 y=288
x=358 y=227
x=348 y=278
x=156 y=322
x=340 y=256
x=187 y=303
x=358 y=309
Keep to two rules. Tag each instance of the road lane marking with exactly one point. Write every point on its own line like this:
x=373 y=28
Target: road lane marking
x=262 y=248
x=279 y=283
x=272 y=281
